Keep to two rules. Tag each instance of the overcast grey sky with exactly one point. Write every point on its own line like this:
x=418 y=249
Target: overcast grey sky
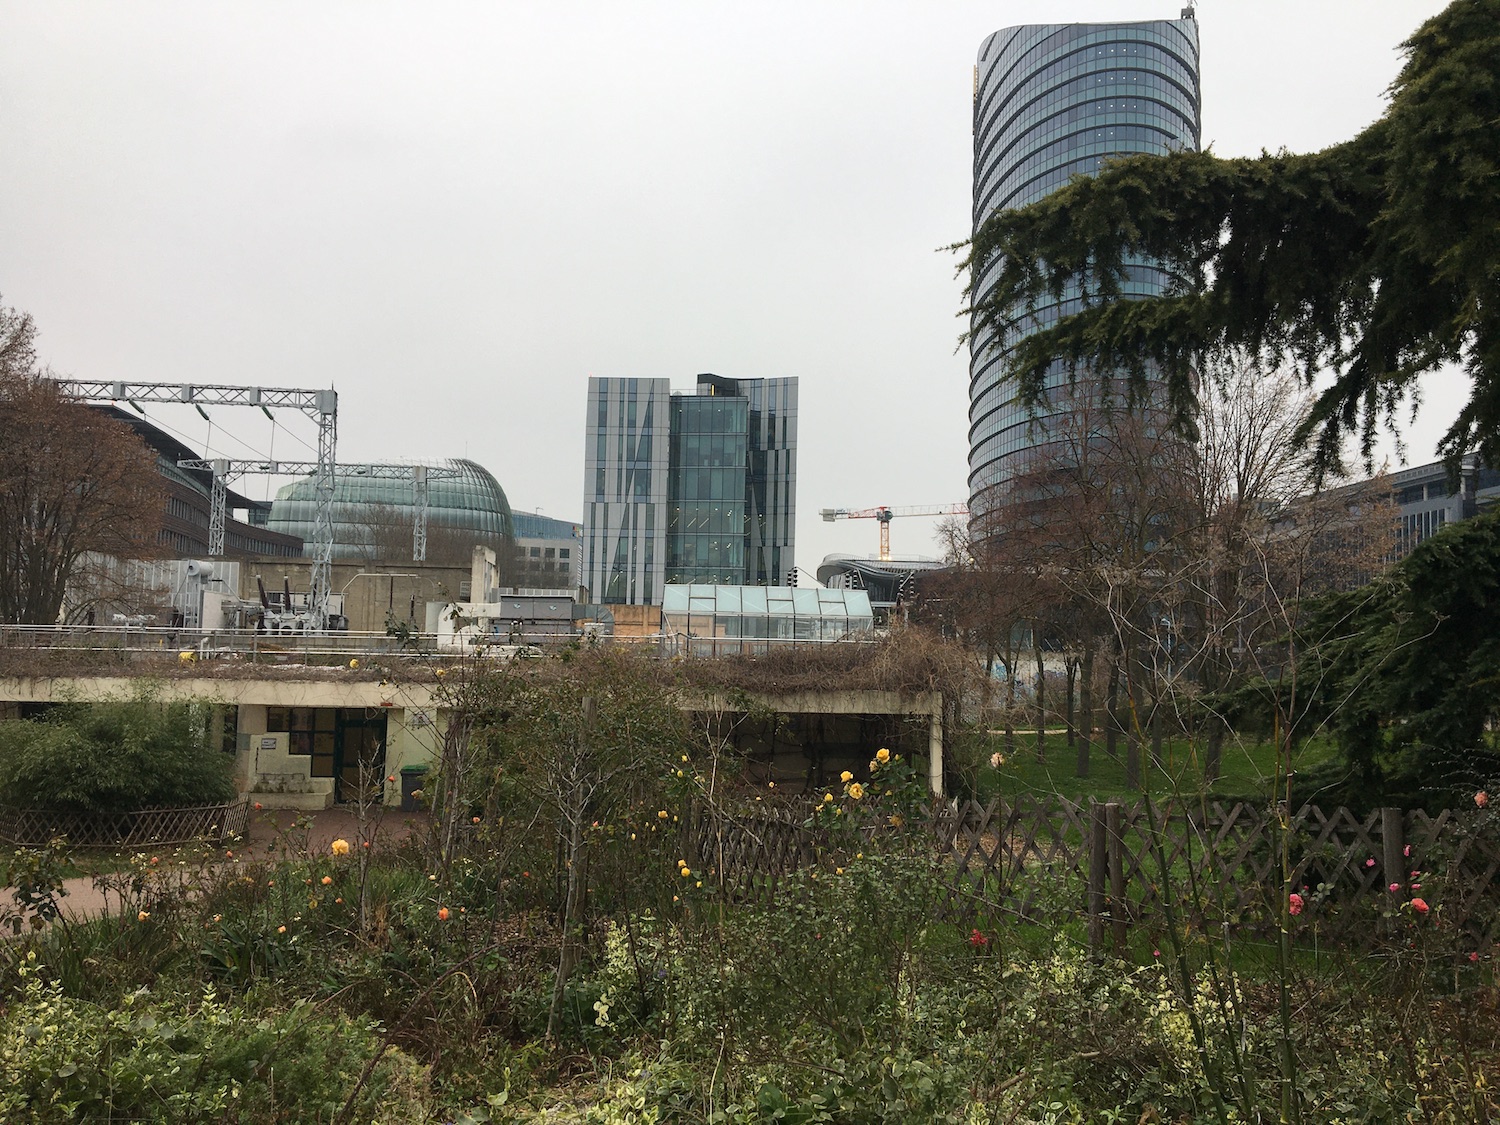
x=456 y=213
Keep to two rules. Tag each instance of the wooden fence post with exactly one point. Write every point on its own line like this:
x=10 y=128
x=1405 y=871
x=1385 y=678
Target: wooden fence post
x=1098 y=867
x=1116 y=845
x=1392 y=847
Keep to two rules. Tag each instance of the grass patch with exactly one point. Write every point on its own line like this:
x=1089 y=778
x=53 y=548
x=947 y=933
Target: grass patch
x=1247 y=769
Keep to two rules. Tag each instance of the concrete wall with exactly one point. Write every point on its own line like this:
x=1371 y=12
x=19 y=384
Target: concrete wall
x=371 y=590
x=415 y=722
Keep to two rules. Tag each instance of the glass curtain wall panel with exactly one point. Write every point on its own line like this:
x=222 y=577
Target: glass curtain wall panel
x=625 y=490
x=1052 y=101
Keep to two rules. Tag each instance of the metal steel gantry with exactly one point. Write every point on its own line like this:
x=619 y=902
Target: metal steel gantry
x=225 y=470
x=885 y=515
x=321 y=405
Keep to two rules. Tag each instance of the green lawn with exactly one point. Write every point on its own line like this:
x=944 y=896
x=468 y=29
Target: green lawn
x=1248 y=768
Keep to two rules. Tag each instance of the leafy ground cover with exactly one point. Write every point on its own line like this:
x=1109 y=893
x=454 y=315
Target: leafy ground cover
x=379 y=984
x=564 y=945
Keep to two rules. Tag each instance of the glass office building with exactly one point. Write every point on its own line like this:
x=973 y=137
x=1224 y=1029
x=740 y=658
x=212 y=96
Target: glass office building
x=683 y=488
x=1052 y=101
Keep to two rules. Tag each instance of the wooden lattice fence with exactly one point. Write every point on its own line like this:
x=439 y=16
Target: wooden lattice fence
x=1121 y=865
x=31 y=828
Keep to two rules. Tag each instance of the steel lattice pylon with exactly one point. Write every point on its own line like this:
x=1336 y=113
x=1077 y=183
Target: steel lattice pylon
x=225 y=471
x=321 y=405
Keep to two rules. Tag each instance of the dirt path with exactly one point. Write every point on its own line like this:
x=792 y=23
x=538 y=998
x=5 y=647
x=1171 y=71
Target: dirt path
x=272 y=832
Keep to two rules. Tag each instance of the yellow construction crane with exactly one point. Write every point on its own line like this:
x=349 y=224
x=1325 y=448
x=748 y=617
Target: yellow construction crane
x=885 y=514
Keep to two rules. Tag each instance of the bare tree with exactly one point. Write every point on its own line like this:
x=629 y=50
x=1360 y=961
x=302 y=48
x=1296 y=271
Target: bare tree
x=72 y=481
x=388 y=535
x=1269 y=539
x=1099 y=521
x=987 y=598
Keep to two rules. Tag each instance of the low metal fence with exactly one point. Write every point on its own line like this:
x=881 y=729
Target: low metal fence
x=34 y=828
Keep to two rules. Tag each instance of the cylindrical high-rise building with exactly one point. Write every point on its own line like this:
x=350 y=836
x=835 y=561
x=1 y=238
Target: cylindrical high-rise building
x=1052 y=101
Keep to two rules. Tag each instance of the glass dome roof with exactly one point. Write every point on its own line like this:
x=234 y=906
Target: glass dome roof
x=372 y=516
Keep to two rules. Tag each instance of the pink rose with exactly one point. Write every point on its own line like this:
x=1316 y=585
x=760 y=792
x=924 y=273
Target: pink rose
x=1481 y=798
x=1295 y=903
x=1420 y=905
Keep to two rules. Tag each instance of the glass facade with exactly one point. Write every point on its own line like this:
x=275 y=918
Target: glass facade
x=1052 y=101
x=722 y=620
x=706 y=489
x=472 y=503
x=688 y=488
x=625 y=490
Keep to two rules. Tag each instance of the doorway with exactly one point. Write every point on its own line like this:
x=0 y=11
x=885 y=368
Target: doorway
x=344 y=743
x=359 y=754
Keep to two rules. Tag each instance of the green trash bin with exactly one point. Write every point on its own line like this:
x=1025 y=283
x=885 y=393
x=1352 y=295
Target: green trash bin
x=412 y=780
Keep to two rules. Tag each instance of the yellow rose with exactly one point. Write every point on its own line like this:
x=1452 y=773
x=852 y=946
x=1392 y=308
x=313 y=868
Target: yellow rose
x=882 y=756
x=846 y=777
x=827 y=797
x=339 y=847
x=856 y=790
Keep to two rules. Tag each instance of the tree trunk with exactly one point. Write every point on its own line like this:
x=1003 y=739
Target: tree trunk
x=567 y=955
x=567 y=948
x=1086 y=710
x=1070 y=675
x=1009 y=661
x=1156 y=710
x=1041 y=697
x=1112 y=710
x=1213 y=755
x=1132 y=720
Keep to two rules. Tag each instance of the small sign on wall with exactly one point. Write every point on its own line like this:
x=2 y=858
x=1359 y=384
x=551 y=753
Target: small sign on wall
x=420 y=719
x=268 y=743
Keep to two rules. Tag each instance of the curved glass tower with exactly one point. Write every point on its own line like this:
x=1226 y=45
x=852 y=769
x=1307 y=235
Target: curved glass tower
x=1052 y=101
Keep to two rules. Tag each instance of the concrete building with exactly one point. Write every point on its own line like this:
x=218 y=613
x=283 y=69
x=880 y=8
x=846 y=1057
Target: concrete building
x=307 y=738
x=1052 y=101
x=548 y=552
x=891 y=584
x=689 y=487
x=184 y=530
x=1426 y=500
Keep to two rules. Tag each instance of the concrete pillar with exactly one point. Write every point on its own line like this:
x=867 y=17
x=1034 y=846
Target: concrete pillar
x=935 y=751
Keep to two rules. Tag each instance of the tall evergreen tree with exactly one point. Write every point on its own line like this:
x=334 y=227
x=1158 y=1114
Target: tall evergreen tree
x=1375 y=260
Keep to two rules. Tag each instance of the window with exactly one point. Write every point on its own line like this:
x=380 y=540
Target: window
x=309 y=729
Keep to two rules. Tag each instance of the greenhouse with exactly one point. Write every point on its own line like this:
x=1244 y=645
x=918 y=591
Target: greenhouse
x=724 y=620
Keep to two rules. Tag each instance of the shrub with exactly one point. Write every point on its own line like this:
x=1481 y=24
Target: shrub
x=159 y=1060
x=108 y=757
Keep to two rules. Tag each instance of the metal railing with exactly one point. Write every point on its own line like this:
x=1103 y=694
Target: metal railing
x=133 y=643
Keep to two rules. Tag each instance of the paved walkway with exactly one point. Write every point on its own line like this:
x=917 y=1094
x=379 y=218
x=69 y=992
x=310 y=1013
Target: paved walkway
x=272 y=832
